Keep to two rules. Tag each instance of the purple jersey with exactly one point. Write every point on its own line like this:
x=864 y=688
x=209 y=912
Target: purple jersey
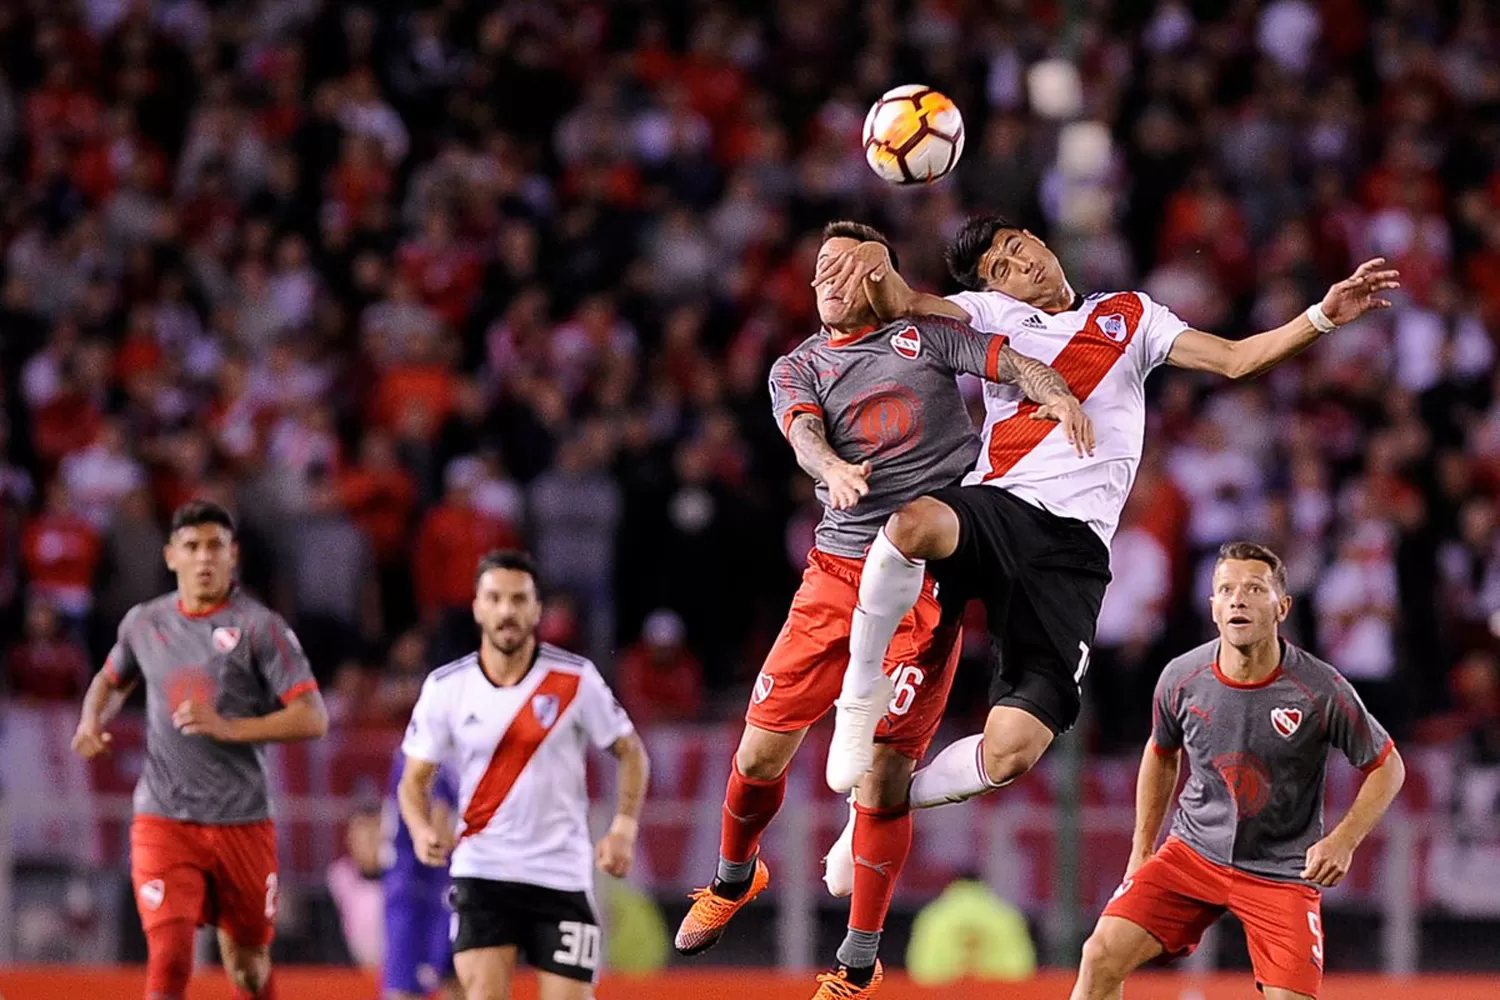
x=403 y=872
x=1257 y=753
x=889 y=397
x=240 y=657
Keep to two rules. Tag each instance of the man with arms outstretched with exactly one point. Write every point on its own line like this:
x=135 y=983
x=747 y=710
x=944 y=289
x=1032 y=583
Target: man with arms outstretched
x=874 y=414
x=1256 y=718
x=223 y=676
x=1028 y=531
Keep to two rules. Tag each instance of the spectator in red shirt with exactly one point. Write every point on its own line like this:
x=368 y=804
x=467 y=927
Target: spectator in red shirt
x=47 y=665
x=445 y=273
x=660 y=680
x=60 y=550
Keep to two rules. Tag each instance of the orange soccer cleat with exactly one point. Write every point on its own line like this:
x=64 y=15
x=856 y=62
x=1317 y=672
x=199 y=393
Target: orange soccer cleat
x=705 y=922
x=838 y=986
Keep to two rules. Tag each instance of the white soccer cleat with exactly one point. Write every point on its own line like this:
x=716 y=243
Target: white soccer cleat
x=854 y=721
x=838 y=865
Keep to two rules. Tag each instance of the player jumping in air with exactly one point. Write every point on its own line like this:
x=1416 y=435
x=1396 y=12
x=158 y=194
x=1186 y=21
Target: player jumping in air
x=874 y=414
x=1029 y=530
x=515 y=720
x=418 y=954
x=223 y=675
x=1256 y=717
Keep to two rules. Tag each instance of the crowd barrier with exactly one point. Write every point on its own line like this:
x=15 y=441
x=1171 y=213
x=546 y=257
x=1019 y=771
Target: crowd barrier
x=294 y=983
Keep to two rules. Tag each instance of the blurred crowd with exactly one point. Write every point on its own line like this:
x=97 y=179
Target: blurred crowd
x=403 y=282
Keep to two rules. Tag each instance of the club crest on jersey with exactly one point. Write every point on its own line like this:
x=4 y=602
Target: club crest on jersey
x=152 y=893
x=225 y=639
x=764 y=682
x=1114 y=327
x=544 y=707
x=907 y=342
x=1286 y=720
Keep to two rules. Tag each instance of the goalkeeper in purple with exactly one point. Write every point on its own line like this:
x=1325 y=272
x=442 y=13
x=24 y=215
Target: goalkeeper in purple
x=1256 y=717
x=418 y=954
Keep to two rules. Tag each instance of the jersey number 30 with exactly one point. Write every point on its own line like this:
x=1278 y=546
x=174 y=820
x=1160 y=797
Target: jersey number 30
x=580 y=945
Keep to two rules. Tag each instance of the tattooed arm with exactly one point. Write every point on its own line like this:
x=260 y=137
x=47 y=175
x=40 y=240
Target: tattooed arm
x=846 y=483
x=1043 y=384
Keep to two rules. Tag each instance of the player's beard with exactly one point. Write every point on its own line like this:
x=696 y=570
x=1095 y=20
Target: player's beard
x=509 y=641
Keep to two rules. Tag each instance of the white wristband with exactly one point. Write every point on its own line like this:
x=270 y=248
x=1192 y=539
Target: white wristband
x=1319 y=319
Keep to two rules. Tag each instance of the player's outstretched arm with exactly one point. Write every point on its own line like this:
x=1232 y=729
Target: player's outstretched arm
x=616 y=849
x=1328 y=860
x=890 y=296
x=1345 y=302
x=1154 y=785
x=846 y=483
x=430 y=824
x=302 y=718
x=101 y=703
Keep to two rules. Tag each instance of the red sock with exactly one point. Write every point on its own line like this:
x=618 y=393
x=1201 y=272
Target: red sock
x=169 y=959
x=749 y=806
x=267 y=991
x=882 y=839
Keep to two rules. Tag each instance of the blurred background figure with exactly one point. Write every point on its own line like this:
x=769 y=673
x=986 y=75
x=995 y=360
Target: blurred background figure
x=354 y=883
x=969 y=934
x=660 y=680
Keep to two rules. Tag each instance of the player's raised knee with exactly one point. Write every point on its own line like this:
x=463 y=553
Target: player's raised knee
x=923 y=529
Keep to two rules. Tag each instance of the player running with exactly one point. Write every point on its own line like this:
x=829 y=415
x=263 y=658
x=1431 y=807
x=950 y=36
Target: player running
x=223 y=674
x=1256 y=717
x=1029 y=530
x=874 y=414
x=418 y=954
x=515 y=721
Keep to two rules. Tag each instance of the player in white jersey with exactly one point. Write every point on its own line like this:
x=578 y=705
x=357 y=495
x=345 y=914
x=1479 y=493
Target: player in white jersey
x=1028 y=530
x=515 y=721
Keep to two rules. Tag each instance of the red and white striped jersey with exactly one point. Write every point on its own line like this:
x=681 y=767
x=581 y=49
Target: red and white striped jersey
x=519 y=753
x=1105 y=349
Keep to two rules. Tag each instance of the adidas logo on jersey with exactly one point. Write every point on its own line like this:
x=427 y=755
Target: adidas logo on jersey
x=907 y=342
x=1034 y=322
x=472 y=720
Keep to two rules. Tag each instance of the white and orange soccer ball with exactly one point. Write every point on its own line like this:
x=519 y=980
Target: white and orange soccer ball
x=913 y=135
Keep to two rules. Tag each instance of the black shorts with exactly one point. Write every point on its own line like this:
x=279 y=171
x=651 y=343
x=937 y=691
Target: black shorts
x=554 y=931
x=1041 y=577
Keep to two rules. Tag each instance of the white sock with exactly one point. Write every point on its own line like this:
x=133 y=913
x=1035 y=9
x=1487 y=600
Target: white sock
x=889 y=587
x=955 y=774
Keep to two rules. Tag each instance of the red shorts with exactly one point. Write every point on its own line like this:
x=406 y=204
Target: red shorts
x=805 y=668
x=219 y=875
x=1177 y=894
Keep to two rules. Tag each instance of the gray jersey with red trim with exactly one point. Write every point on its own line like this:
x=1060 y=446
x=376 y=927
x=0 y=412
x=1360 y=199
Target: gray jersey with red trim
x=1254 y=797
x=242 y=658
x=891 y=398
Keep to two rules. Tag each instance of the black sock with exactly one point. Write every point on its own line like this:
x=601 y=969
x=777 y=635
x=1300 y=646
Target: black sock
x=859 y=975
x=730 y=890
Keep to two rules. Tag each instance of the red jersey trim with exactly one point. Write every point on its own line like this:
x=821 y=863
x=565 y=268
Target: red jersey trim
x=796 y=410
x=843 y=338
x=297 y=690
x=517 y=746
x=992 y=357
x=1228 y=681
x=1380 y=758
x=206 y=611
x=1162 y=751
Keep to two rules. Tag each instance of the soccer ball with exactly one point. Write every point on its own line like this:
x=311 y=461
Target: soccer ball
x=913 y=135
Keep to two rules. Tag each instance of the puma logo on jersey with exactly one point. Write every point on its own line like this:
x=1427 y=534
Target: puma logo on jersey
x=764 y=682
x=907 y=342
x=1206 y=714
x=225 y=639
x=152 y=893
x=1114 y=327
x=1286 y=720
x=544 y=707
x=1034 y=322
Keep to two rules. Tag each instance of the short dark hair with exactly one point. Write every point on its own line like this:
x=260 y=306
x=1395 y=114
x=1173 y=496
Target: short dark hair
x=506 y=559
x=975 y=237
x=196 y=512
x=849 y=230
x=1255 y=552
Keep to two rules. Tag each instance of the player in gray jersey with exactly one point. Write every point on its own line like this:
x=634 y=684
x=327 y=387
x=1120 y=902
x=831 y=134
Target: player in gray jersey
x=875 y=416
x=223 y=675
x=1256 y=717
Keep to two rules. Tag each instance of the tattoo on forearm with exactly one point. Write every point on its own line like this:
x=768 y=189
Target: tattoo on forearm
x=809 y=440
x=1040 y=382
